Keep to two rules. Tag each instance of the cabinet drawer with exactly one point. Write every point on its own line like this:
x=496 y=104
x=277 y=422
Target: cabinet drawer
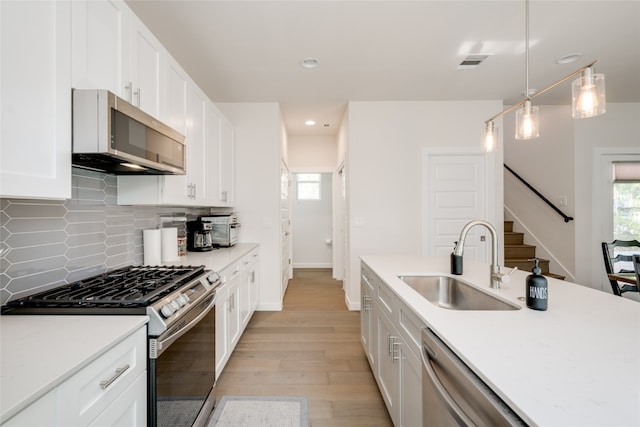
x=386 y=298
x=410 y=328
x=89 y=392
x=129 y=409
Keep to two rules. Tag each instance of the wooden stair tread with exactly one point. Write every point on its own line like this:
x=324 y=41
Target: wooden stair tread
x=521 y=249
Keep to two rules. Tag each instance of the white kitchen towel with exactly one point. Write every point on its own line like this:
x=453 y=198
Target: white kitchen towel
x=169 y=244
x=152 y=241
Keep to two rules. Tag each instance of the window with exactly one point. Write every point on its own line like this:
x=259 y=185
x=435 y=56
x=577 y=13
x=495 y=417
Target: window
x=308 y=186
x=626 y=200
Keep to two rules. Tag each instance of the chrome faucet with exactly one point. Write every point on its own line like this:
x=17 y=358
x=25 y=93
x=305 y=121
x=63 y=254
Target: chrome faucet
x=497 y=278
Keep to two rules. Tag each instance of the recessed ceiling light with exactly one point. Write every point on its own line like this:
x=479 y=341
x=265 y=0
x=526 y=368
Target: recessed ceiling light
x=310 y=123
x=310 y=63
x=567 y=59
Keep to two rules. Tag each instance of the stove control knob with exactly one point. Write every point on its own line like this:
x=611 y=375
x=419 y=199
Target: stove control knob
x=182 y=300
x=167 y=310
x=175 y=304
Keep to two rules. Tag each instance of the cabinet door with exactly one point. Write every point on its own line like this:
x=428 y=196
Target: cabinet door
x=100 y=49
x=234 y=320
x=368 y=327
x=227 y=165
x=410 y=388
x=222 y=340
x=254 y=281
x=146 y=68
x=247 y=282
x=212 y=147
x=388 y=366
x=35 y=112
x=40 y=413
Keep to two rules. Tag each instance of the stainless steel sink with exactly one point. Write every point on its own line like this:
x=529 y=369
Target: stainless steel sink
x=451 y=293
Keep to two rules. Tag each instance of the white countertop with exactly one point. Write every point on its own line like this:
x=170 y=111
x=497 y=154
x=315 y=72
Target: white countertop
x=216 y=259
x=575 y=364
x=38 y=353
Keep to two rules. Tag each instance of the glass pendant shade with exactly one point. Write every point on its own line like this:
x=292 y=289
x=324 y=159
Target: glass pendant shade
x=588 y=95
x=527 y=122
x=490 y=137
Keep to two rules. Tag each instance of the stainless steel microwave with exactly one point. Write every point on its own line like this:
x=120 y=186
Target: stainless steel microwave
x=113 y=136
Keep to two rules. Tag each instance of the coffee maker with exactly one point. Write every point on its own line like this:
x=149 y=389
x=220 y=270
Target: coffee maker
x=199 y=236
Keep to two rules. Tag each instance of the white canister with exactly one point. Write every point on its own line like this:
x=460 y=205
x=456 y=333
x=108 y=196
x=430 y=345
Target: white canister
x=169 y=244
x=152 y=241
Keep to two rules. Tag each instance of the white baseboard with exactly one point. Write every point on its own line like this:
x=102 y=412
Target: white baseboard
x=312 y=265
x=269 y=307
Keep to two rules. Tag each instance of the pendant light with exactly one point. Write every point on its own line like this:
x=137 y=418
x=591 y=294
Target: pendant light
x=490 y=136
x=588 y=100
x=588 y=95
x=527 y=116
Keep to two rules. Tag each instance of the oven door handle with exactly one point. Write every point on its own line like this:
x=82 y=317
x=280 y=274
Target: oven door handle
x=160 y=345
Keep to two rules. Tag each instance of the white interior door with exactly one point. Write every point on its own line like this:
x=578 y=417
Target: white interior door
x=454 y=193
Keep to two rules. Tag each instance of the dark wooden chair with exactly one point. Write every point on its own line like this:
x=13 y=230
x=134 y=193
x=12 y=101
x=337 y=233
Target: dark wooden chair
x=614 y=256
x=636 y=268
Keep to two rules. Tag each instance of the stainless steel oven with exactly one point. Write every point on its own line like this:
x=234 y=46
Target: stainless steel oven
x=180 y=303
x=182 y=370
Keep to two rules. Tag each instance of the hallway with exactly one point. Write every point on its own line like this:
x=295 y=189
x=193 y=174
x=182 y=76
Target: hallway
x=312 y=348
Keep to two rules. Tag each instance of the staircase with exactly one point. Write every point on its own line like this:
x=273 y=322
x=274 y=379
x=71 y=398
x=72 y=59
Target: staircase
x=518 y=254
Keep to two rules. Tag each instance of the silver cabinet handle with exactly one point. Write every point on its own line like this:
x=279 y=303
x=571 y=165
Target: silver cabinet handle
x=223 y=196
x=137 y=94
x=119 y=371
x=129 y=89
x=395 y=353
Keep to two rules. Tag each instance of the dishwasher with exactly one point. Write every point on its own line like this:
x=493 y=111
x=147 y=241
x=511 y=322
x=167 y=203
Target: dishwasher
x=452 y=395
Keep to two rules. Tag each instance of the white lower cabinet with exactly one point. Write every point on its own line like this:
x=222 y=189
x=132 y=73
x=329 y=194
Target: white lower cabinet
x=388 y=340
x=234 y=305
x=40 y=413
x=249 y=280
x=110 y=391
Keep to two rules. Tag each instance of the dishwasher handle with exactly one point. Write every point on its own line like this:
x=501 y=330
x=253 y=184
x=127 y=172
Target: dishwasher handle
x=454 y=409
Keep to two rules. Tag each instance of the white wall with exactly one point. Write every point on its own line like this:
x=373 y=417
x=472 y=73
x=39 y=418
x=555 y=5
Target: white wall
x=258 y=140
x=547 y=163
x=565 y=161
x=312 y=225
x=312 y=153
x=385 y=141
x=614 y=132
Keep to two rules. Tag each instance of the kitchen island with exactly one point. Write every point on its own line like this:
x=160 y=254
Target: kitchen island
x=575 y=364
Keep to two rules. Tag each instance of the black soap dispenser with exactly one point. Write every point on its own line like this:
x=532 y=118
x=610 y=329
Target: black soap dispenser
x=537 y=290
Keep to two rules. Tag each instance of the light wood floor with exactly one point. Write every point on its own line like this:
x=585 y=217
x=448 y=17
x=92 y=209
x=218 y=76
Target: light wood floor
x=312 y=348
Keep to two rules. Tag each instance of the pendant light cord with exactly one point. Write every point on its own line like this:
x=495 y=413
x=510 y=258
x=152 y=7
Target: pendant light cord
x=526 y=38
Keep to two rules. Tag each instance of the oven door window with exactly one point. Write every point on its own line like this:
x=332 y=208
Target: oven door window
x=185 y=375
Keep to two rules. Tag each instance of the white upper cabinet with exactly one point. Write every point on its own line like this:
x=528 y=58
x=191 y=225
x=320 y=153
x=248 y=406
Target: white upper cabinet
x=100 y=49
x=113 y=50
x=147 y=58
x=35 y=112
x=221 y=146
x=185 y=107
x=185 y=111
x=227 y=162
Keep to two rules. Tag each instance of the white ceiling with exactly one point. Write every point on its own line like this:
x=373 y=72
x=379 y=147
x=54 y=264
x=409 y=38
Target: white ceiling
x=250 y=51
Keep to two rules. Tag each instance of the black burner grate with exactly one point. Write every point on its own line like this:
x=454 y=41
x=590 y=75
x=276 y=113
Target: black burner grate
x=124 y=287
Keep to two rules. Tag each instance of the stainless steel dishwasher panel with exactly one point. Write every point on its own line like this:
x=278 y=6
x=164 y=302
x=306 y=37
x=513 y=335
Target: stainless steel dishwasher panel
x=452 y=395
